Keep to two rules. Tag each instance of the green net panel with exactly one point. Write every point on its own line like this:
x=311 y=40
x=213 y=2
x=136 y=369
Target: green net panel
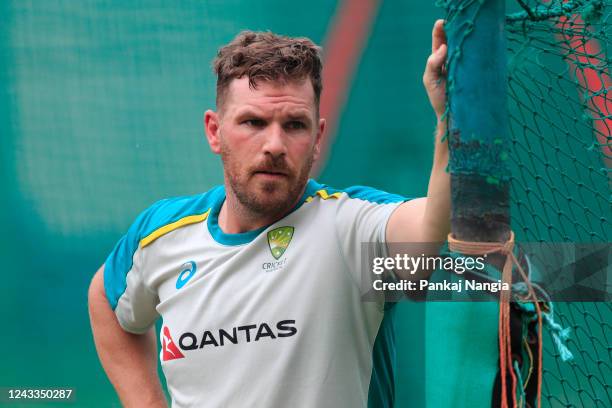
x=560 y=127
x=559 y=114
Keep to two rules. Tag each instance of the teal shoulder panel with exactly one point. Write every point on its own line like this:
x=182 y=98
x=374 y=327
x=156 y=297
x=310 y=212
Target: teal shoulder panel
x=365 y=193
x=381 y=393
x=163 y=212
x=373 y=195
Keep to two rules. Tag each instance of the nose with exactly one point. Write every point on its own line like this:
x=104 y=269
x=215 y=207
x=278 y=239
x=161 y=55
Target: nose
x=275 y=141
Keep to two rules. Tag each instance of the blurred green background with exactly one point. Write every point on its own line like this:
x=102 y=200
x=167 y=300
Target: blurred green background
x=101 y=109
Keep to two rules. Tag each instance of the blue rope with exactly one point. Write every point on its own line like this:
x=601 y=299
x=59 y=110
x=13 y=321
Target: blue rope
x=521 y=387
x=559 y=334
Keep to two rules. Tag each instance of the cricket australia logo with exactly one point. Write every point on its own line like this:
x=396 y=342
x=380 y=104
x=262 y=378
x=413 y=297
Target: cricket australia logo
x=279 y=239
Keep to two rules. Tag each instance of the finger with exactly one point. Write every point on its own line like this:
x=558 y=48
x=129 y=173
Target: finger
x=438 y=36
x=438 y=58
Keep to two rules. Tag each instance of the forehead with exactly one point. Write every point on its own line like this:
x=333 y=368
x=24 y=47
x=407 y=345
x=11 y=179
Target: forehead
x=270 y=96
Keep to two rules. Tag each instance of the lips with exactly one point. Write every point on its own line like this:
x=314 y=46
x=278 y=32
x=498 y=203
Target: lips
x=270 y=174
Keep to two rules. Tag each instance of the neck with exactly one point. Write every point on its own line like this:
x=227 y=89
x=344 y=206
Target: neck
x=235 y=218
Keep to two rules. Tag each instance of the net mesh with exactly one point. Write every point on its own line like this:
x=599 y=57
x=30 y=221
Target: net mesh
x=559 y=123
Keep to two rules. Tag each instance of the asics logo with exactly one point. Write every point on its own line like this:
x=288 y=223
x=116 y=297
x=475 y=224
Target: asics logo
x=188 y=269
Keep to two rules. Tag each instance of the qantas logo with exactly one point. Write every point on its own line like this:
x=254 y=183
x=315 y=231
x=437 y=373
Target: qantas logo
x=240 y=334
x=169 y=349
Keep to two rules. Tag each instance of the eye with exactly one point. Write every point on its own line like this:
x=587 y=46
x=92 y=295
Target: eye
x=295 y=125
x=254 y=123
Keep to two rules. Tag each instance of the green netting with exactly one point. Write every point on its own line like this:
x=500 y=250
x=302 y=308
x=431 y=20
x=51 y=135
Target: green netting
x=559 y=113
x=560 y=123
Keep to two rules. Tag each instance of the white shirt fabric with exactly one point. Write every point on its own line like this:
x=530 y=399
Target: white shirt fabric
x=267 y=318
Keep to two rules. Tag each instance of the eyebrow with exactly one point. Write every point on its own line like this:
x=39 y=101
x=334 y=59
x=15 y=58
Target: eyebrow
x=248 y=112
x=302 y=115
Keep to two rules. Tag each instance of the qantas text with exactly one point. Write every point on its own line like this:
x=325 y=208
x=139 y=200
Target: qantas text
x=235 y=335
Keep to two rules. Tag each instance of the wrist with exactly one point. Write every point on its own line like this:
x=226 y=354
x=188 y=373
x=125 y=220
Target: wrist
x=440 y=131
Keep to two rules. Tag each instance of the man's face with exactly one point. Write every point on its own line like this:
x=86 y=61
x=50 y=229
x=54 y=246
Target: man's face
x=268 y=138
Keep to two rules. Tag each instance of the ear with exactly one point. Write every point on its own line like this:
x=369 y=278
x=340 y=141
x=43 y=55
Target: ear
x=319 y=137
x=212 y=127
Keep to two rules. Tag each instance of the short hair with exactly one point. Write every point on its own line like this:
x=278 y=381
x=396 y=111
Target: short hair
x=265 y=56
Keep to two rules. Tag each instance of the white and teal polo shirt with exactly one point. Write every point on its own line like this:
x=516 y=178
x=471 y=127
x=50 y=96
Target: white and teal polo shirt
x=266 y=318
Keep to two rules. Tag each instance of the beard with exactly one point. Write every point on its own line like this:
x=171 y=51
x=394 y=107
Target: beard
x=263 y=197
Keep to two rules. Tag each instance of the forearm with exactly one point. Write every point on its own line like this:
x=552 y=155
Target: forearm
x=436 y=219
x=130 y=360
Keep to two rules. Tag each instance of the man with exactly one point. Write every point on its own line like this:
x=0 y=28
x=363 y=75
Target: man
x=258 y=281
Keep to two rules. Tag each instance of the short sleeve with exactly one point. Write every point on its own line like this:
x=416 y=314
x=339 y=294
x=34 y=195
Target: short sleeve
x=361 y=224
x=133 y=302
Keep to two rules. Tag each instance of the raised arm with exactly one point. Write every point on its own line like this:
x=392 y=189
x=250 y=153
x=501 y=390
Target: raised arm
x=130 y=360
x=427 y=219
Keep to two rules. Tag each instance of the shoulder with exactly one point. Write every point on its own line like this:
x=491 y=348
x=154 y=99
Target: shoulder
x=159 y=219
x=362 y=193
x=172 y=213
